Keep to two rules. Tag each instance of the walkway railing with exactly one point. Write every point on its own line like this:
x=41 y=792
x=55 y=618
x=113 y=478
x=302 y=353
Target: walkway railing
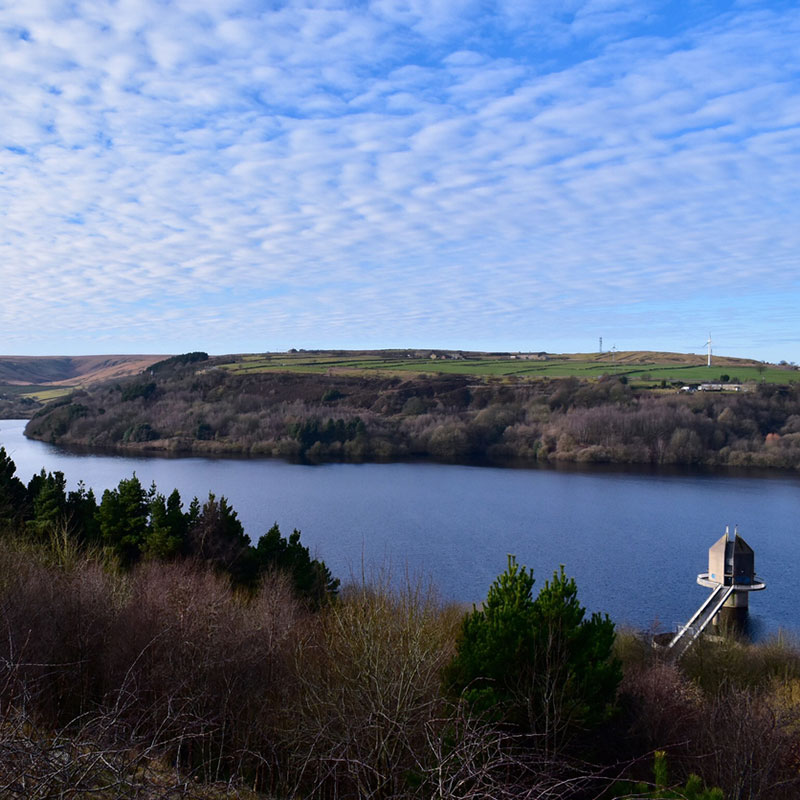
x=687 y=633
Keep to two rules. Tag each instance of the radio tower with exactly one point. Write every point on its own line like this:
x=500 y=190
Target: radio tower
x=601 y=344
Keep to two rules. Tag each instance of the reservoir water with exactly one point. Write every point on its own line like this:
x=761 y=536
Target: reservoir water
x=634 y=541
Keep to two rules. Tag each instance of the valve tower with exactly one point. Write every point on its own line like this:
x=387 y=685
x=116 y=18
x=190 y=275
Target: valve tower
x=731 y=562
x=731 y=576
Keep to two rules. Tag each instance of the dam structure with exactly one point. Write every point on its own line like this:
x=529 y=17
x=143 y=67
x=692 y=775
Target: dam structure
x=731 y=576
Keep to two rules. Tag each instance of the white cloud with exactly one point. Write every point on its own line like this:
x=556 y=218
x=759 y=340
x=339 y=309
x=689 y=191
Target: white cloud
x=380 y=174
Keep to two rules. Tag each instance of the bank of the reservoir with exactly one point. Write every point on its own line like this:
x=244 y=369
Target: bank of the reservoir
x=318 y=418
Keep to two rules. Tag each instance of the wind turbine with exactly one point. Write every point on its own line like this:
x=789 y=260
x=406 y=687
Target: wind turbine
x=709 y=349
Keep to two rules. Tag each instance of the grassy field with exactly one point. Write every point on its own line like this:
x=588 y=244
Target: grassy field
x=641 y=368
x=42 y=393
x=644 y=369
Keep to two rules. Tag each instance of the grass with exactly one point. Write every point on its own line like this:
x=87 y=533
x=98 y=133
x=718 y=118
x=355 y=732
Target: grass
x=37 y=392
x=643 y=369
x=566 y=366
x=46 y=393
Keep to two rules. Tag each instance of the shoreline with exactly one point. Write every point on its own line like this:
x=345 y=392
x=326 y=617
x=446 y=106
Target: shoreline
x=166 y=450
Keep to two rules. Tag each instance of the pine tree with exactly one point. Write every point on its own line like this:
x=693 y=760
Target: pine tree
x=216 y=536
x=538 y=664
x=48 y=500
x=166 y=537
x=575 y=677
x=12 y=491
x=82 y=511
x=123 y=517
x=311 y=578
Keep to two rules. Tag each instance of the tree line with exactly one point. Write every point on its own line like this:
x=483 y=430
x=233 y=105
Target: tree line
x=132 y=523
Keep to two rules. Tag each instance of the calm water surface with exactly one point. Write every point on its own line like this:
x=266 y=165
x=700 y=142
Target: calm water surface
x=633 y=541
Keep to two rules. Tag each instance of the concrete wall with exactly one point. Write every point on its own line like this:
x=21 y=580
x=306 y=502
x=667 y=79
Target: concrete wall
x=716 y=559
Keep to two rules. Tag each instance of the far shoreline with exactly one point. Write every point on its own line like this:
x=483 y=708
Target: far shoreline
x=152 y=450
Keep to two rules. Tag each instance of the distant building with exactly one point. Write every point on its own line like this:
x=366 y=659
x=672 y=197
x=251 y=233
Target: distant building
x=714 y=387
x=721 y=387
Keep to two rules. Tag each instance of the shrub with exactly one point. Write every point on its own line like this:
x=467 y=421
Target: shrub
x=370 y=699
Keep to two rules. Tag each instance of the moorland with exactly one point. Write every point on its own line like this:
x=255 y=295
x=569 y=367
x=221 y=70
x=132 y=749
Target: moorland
x=26 y=382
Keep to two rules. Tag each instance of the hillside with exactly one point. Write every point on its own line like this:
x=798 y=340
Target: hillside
x=70 y=370
x=645 y=368
x=653 y=357
x=26 y=382
x=366 y=407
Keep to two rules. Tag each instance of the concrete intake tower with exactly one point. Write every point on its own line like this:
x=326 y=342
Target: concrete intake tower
x=732 y=576
x=732 y=564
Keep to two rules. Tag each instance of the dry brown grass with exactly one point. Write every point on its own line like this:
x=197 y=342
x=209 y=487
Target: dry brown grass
x=71 y=370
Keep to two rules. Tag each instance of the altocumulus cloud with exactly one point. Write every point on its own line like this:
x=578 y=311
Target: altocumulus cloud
x=251 y=175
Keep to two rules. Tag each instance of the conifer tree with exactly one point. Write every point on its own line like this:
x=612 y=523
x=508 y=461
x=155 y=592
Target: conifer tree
x=166 y=537
x=48 y=500
x=124 y=520
x=82 y=511
x=12 y=490
x=311 y=578
x=216 y=536
x=538 y=664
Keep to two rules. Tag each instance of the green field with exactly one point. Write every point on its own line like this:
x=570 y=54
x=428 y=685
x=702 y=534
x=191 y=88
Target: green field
x=639 y=373
x=642 y=369
x=42 y=393
x=50 y=393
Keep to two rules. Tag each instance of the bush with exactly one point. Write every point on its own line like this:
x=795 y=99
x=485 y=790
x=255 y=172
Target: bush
x=370 y=699
x=141 y=432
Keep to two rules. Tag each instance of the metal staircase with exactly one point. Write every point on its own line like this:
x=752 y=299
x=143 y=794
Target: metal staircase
x=689 y=632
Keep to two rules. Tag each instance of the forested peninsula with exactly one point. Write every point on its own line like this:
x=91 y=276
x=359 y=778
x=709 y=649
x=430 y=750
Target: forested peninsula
x=195 y=404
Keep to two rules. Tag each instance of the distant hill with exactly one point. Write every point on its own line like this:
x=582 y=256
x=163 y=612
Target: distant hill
x=70 y=370
x=55 y=371
x=656 y=357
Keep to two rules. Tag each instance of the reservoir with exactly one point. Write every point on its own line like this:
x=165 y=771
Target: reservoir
x=633 y=540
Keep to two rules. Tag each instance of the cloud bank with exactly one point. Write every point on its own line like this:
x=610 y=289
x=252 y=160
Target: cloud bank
x=242 y=176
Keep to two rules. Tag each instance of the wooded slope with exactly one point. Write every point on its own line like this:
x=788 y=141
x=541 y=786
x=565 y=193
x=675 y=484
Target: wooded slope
x=205 y=408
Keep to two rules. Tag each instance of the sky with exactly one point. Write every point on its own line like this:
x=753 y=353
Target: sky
x=247 y=176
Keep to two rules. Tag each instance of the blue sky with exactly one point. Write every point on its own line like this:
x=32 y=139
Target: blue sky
x=477 y=174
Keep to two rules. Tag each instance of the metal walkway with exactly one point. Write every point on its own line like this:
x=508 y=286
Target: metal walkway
x=687 y=634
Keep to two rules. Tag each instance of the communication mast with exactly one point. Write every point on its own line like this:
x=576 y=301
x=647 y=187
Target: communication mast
x=601 y=344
